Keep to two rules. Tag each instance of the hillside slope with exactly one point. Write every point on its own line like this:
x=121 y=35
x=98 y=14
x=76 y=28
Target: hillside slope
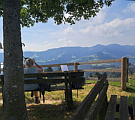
x=80 y=54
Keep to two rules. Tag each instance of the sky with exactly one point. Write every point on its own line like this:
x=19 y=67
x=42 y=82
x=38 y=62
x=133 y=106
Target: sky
x=112 y=25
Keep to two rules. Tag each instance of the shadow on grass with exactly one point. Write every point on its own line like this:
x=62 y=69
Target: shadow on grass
x=130 y=89
x=47 y=111
x=115 y=84
x=51 y=111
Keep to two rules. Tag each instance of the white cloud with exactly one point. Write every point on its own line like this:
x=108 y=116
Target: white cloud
x=114 y=28
x=109 y=26
x=68 y=30
x=130 y=8
x=37 y=46
x=64 y=42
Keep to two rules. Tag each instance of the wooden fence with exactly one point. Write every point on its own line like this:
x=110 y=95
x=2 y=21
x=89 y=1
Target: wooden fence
x=124 y=69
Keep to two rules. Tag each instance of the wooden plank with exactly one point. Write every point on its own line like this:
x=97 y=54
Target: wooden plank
x=103 y=109
x=76 y=74
x=109 y=79
x=55 y=74
x=77 y=80
x=133 y=105
x=68 y=93
x=98 y=104
x=124 y=74
x=75 y=66
x=123 y=109
x=52 y=80
x=102 y=70
x=43 y=81
x=91 y=78
x=55 y=88
x=81 y=111
x=110 y=115
x=100 y=62
x=45 y=75
x=57 y=65
x=84 y=63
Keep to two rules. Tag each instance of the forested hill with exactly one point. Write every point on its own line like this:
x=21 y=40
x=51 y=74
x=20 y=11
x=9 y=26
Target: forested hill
x=81 y=54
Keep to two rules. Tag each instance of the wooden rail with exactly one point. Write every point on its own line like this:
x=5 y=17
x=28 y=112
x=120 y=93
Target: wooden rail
x=102 y=70
x=81 y=112
x=124 y=68
x=100 y=62
x=96 y=105
x=84 y=63
x=109 y=79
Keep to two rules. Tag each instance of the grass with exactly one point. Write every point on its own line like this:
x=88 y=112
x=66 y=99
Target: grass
x=55 y=107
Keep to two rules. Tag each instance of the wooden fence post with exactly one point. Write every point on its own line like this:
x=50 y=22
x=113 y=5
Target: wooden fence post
x=127 y=67
x=76 y=66
x=124 y=74
x=68 y=92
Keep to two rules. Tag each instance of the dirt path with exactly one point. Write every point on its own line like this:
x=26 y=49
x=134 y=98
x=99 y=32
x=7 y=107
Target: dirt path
x=41 y=102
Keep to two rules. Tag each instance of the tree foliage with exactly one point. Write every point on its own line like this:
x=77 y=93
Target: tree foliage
x=49 y=69
x=28 y=12
x=62 y=11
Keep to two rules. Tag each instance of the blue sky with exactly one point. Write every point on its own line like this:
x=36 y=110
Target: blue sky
x=112 y=25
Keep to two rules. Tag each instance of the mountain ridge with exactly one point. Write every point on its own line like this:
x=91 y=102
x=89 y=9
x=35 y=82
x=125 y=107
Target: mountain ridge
x=80 y=54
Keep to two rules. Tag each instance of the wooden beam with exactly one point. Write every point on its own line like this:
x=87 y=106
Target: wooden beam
x=110 y=115
x=84 y=63
x=109 y=79
x=98 y=104
x=57 y=65
x=100 y=62
x=76 y=66
x=123 y=109
x=102 y=70
x=133 y=103
x=81 y=111
x=124 y=72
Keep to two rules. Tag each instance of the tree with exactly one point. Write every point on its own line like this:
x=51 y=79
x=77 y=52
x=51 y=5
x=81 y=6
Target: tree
x=59 y=69
x=114 y=75
x=13 y=94
x=32 y=11
x=49 y=69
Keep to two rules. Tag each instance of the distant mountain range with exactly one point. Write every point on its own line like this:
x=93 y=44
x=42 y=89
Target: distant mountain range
x=80 y=54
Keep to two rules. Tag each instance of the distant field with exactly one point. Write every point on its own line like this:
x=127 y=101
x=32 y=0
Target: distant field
x=55 y=107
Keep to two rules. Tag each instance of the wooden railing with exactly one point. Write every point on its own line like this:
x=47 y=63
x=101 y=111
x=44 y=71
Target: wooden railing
x=124 y=68
x=75 y=64
x=96 y=105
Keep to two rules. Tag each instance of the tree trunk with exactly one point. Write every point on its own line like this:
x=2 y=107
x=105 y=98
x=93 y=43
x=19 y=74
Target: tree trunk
x=13 y=93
